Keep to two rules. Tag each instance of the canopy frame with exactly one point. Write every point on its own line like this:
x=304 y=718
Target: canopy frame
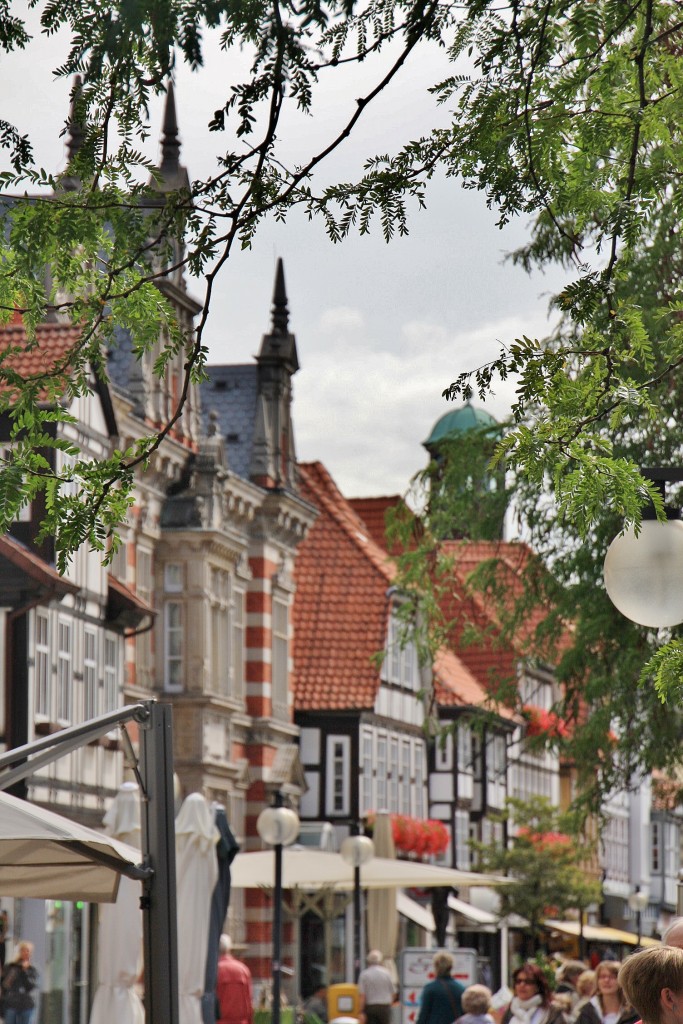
x=154 y=771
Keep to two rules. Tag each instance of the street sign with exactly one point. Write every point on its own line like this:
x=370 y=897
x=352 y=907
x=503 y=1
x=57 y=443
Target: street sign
x=417 y=968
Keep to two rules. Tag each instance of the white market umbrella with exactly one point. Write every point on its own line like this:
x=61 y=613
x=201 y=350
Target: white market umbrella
x=119 y=934
x=307 y=869
x=196 y=876
x=382 y=915
x=46 y=856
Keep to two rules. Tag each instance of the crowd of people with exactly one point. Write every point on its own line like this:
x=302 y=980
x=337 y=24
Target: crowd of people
x=646 y=989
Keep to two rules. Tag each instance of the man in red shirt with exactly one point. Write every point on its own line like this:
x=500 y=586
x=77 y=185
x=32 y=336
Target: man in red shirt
x=233 y=987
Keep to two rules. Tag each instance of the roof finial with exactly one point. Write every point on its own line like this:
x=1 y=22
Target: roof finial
x=76 y=129
x=170 y=143
x=280 y=313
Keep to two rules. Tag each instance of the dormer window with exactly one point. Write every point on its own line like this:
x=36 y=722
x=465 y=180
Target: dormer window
x=401 y=664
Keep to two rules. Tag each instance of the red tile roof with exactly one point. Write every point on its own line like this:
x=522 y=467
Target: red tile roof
x=341 y=611
x=52 y=344
x=341 y=608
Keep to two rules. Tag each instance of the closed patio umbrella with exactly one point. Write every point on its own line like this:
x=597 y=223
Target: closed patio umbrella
x=119 y=934
x=382 y=915
x=196 y=874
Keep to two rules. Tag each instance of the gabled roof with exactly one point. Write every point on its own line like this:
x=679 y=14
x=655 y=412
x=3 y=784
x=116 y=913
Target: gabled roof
x=510 y=561
x=342 y=609
x=373 y=512
x=53 y=343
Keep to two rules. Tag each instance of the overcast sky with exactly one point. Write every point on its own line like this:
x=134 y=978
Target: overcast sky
x=381 y=329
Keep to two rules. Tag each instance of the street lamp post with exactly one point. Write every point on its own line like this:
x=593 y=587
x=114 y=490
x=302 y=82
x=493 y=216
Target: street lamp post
x=357 y=850
x=278 y=826
x=638 y=902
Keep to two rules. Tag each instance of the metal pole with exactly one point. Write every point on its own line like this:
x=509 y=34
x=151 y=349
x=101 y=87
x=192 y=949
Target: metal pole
x=277 y=933
x=160 y=940
x=356 y=922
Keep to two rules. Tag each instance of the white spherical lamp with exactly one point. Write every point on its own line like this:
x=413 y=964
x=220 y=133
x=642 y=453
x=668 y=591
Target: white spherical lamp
x=278 y=826
x=644 y=574
x=357 y=850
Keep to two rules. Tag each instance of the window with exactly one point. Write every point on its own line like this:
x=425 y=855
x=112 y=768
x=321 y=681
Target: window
x=656 y=848
x=143 y=643
x=401 y=662
x=280 y=658
x=90 y=681
x=111 y=674
x=394 y=771
x=64 y=669
x=173 y=645
x=367 y=760
x=42 y=662
x=465 y=750
x=219 y=597
x=462 y=836
x=173 y=578
x=420 y=811
x=671 y=850
x=338 y=768
x=405 y=778
x=381 y=774
x=119 y=562
x=238 y=642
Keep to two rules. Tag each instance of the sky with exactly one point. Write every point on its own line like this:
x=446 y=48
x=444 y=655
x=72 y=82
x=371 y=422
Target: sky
x=381 y=328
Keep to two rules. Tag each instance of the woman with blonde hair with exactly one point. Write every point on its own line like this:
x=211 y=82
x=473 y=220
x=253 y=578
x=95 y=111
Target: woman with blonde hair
x=609 y=1005
x=19 y=979
x=441 y=1000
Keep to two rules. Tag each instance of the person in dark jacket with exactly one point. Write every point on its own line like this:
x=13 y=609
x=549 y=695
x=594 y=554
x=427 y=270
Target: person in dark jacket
x=441 y=1000
x=609 y=1004
x=532 y=1000
x=19 y=979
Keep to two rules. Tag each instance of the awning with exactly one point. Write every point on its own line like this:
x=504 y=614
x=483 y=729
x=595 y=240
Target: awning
x=307 y=869
x=599 y=933
x=46 y=856
x=414 y=911
x=474 y=914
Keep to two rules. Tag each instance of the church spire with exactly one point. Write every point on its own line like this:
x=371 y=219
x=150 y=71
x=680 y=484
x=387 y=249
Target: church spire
x=174 y=176
x=170 y=143
x=280 y=311
x=76 y=132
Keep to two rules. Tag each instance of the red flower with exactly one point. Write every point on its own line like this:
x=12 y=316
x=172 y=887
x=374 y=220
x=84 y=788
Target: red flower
x=545 y=840
x=541 y=722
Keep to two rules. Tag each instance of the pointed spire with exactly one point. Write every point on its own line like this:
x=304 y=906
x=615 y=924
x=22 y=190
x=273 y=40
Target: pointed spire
x=280 y=312
x=170 y=143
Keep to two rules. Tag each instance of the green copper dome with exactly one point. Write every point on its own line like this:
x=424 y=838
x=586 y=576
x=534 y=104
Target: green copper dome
x=459 y=421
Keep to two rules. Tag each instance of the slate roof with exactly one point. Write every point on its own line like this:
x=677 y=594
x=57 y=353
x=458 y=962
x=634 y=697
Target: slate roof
x=232 y=392
x=341 y=611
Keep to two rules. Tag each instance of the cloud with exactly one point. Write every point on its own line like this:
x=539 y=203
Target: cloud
x=365 y=414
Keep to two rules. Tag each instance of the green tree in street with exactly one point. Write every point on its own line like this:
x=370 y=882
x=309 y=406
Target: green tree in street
x=548 y=864
x=566 y=114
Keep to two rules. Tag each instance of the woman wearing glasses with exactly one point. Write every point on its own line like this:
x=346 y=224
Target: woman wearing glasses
x=532 y=1000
